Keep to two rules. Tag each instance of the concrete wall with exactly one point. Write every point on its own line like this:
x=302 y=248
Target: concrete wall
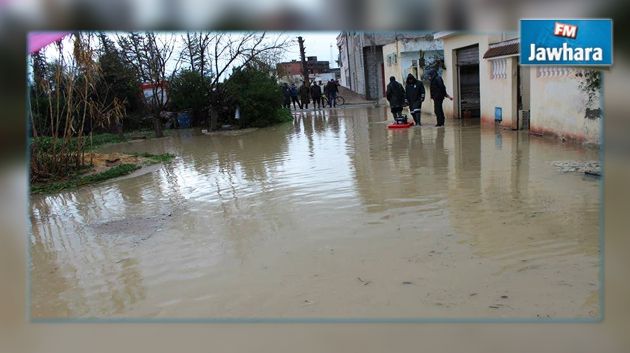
x=373 y=73
x=357 y=70
x=351 y=52
x=502 y=85
x=558 y=106
x=342 y=44
x=392 y=68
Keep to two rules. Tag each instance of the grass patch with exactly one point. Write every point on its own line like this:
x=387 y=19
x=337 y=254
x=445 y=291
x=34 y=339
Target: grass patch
x=45 y=143
x=77 y=181
x=155 y=158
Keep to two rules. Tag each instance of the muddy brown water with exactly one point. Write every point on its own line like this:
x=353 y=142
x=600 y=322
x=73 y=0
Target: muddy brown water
x=331 y=216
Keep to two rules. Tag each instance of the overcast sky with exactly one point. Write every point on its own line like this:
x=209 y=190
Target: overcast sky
x=317 y=44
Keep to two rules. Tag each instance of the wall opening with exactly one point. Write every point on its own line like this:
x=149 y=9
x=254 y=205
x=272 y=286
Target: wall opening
x=523 y=89
x=468 y=99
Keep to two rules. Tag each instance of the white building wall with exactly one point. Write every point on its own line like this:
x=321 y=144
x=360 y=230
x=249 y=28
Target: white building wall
x=391 y=66
x=148 y=95
x=342 y=44
x=324 y=77
x=559 y=107
x=502 y=83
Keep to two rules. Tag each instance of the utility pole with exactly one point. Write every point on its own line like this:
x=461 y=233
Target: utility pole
x=303 y=57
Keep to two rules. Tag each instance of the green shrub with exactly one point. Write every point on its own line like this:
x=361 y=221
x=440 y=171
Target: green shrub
x=45 y=144
x=258 y=96
x=190 y=91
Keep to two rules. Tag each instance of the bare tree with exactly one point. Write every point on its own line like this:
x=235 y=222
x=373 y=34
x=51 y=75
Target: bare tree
x=153 y=57
x=213 y=54
x=156 y=58
x=217 y=52
x=196 y=51
x=235 y=51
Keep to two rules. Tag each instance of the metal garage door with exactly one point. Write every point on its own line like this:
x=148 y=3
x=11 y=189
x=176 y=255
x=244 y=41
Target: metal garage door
x=468 y=77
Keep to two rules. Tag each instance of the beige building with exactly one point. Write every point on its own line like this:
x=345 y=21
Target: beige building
x=411 y=54
x=483 y=74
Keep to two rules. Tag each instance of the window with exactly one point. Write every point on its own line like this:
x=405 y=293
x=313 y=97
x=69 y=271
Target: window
x=499 y=69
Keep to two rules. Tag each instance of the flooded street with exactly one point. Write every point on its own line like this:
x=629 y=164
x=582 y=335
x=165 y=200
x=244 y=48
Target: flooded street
x=331 y=216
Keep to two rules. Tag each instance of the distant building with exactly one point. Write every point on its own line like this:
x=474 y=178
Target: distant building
x=413 y=53
x=337 y=72
x=315 y=66
x=361 y=57
x=148 y=90
x=368 y=59
x=289 y=68
x=292 y=71
x=324 y=77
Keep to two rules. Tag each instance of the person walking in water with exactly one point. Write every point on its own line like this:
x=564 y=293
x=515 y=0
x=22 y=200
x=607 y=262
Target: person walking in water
x=305 y=95
x=331 y=93
x=438 y=93
x=415 y=96
x=316 y=95
x=395 y=94
x=294 y=96
x=286 y=96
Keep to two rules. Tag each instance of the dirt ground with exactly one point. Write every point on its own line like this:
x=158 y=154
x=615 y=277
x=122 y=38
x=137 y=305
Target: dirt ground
x=105 y=161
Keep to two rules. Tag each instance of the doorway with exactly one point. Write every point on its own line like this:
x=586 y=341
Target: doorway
x=523 y=96
x=468 y=99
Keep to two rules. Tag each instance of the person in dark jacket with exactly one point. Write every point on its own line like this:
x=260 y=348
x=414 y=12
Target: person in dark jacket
x=415 y=96
x=396 y=97
x=438 y=93
x=331 y=93
x=316 y=95
x=305 y=95
x=294 y=96
x=286 y=95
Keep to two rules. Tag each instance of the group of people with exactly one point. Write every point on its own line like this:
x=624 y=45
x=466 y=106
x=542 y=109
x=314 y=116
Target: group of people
x=413 y=95
x=303 y=95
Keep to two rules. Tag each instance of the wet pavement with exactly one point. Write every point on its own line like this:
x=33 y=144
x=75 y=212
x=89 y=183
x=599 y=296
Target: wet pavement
x=331 y=216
